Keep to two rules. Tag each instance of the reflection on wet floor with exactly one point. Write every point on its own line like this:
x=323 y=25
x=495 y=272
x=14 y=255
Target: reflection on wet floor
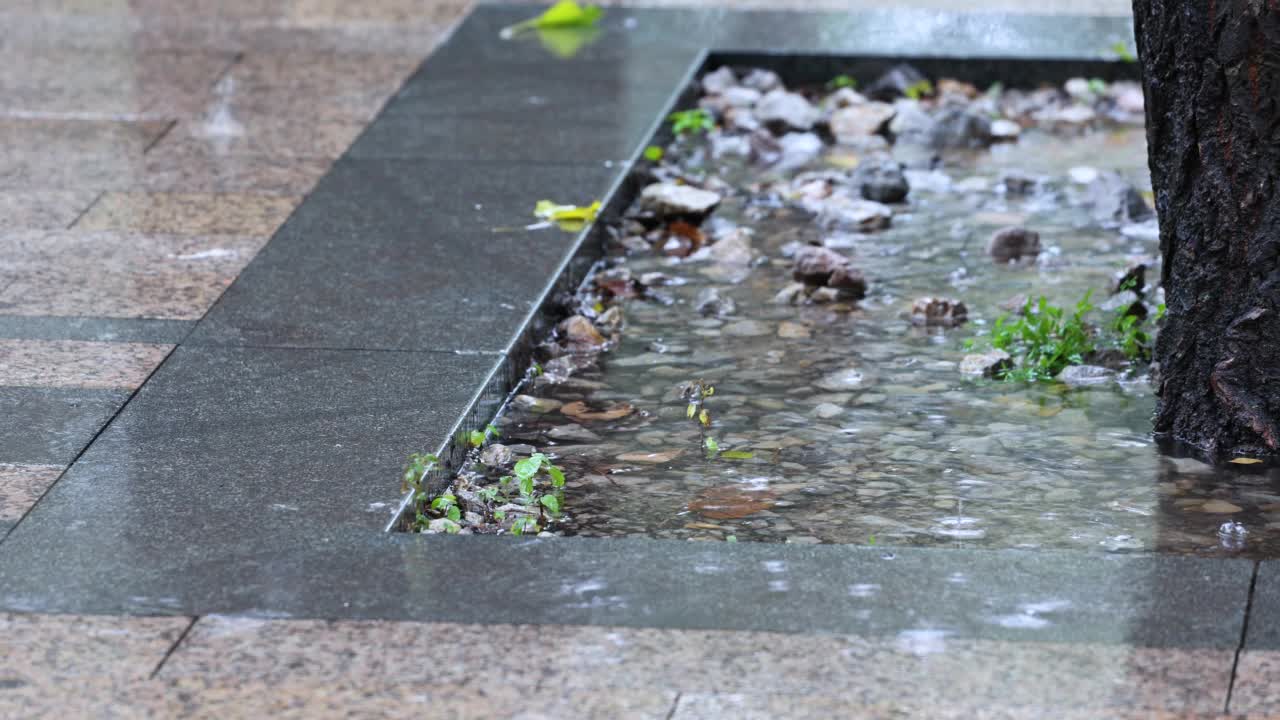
x=860 y=427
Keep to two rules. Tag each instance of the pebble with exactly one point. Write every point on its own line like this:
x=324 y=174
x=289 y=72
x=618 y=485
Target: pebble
x=792 y=330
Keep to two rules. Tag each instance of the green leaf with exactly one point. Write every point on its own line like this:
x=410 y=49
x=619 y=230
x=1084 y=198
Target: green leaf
x=557 y=476
x=499 y=514
x=653 y=153
x=731 y=538
x=526 y=486
x=564 y=14
x=566 y=42
x=711 y=445
x=551 y=502
x=842 y=81
x=691 y=121
x=737 y=455
x=453 y=513
x=529 y=466
x=918 y=90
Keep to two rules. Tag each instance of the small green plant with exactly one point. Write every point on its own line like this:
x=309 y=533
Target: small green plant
x=476 y=438
x=653 y=153
x=1097 y=86
x=1044 y=339
x=530 y=477
x=1160 y=312
x=842 y=81
x=696 y=393
x=684 y=122
x=711 y=446
x=1122 y=51
x=918 y=90
x=415 y=471
x=1131 y=337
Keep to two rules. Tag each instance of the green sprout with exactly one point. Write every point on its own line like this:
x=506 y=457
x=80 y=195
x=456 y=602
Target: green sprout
x=476 y=438
x=842 y=81
x=691 y=121
x=1122 y=51
x=653 y=153
x=919 y=89
x=696 y=393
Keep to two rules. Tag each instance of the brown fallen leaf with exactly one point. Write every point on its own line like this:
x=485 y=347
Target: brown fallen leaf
x=1245 y=461
x=685 y=230
x=728 y=502
x=581 y=411
x=655 y=458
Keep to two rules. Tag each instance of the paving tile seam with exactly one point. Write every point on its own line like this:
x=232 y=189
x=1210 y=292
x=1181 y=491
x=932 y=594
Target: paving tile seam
x=1244 y=635
x=182 y=636
x=97 y=198
x=85 y=447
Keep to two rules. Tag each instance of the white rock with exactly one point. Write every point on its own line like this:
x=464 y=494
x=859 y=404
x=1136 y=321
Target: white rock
x=786 y=110
x=1005 y=129
x=798 y=149
x=672 y=199
x=842 y=212
x=762 y=80
x=851 y=124
x=717 y=82
x=741 y=97
x=847 y=379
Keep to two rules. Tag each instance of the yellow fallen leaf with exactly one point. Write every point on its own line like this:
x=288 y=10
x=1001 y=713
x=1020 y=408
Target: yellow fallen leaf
x=570 y=218
x=564 y=14
x=1245 y=461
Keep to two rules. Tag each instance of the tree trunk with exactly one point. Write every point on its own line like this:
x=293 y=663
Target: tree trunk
x=1211 y=74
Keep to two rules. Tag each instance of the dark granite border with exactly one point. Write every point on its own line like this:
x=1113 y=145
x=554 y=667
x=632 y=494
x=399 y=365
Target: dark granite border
x=255 y=472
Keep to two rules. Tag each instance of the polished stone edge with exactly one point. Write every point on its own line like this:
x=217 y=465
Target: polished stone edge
x=95 y=329
x=917 y=594
x=579 y=260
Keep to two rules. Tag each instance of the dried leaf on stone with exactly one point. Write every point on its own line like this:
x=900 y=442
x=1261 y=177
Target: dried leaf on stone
x=1245 y=461
x=652 y=458
x=581 y=411
x=729 y=503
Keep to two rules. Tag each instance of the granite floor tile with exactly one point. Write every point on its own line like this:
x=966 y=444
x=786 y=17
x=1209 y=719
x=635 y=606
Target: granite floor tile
x=250 y=698
x=223 y=134
x=118 y=274
x=249 y=441
x=394 y=237
x=48 y=662
x=1257 y=686
x=67 y=418
x=189 y=213
x=543 y=137
x=44 y=154
x=334 y=85
x=117 y=84
x=742 y=706
x=94 y=329
x=21 y=486
x=52 y=647
x=42 y=209
x=139 y=32
x=75 y=363
x=196 y=165
x=944 y=671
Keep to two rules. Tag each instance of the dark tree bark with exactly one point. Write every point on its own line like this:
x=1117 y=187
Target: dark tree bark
x=1211 y=73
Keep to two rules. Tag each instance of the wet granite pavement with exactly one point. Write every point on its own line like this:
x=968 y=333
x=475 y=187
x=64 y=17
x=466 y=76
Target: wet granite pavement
x=200 y=531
